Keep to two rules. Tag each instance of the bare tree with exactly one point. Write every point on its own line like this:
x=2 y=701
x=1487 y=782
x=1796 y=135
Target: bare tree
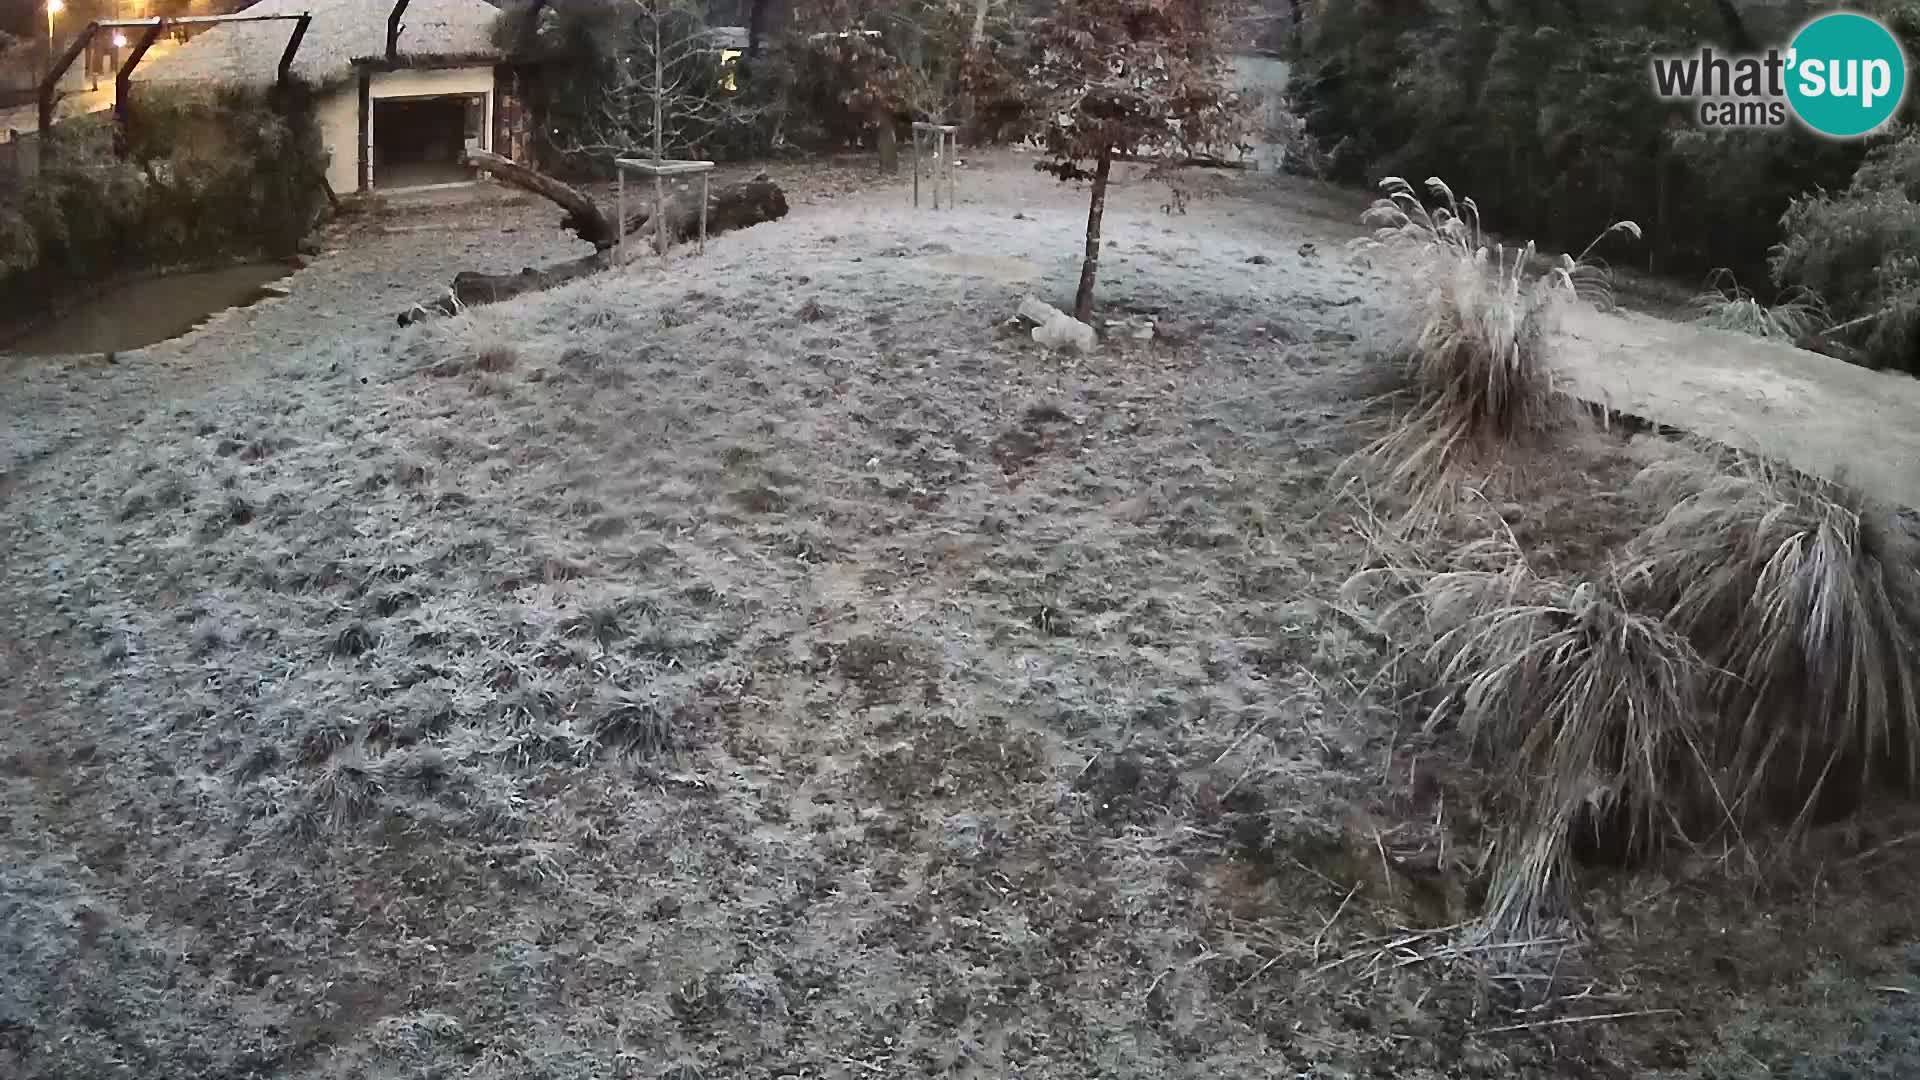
x=649 y=79
x=896 y=56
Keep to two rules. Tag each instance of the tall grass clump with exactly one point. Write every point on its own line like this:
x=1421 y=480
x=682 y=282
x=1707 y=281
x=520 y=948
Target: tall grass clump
x=1797 y=316
x=1588 y=709
x=1479 y=316
x=1805 y=601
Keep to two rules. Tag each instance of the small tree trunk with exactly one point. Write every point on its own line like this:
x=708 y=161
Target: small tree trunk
x=756 y=27
x=1090 y=268
x=887 y=141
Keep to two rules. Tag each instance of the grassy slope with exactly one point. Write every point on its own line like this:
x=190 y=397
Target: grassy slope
x=764 y=667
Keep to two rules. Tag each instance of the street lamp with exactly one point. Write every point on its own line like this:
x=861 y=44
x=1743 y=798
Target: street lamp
x=119 y=45
x=54 y=7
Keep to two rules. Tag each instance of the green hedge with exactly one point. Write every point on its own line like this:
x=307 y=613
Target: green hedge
x=1544 y=113
x=1860 y=250
x=208 y=175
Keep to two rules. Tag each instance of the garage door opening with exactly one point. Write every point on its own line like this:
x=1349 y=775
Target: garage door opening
x=418 y=142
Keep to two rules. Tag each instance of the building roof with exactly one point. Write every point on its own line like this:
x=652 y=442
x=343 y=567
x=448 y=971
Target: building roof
x=343 y=31
x=728 y=37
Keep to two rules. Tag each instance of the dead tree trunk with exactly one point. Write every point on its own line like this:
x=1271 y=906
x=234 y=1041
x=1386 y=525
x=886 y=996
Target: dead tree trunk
x=584 y=216
x=729 y=207
x=471 y=289
x=1090 y=267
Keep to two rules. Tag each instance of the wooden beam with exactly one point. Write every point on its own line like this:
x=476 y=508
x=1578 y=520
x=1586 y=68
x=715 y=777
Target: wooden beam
x=51 y=83
x=293 y=46
x=393 y=30
x=192 y=20
x=123 y=84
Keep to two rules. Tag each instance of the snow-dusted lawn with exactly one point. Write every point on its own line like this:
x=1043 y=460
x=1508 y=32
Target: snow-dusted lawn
x=760 y=665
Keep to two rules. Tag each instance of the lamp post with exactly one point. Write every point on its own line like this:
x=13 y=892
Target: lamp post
x=54 y=7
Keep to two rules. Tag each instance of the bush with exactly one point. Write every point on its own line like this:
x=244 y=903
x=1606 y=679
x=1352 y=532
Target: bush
x=1795 y=319
x=1754 y=661
x=1552 y=121
x=1861 y=251
x=1479 y=316
x=1806 y=602
x=207 y=175
x=1591 y=707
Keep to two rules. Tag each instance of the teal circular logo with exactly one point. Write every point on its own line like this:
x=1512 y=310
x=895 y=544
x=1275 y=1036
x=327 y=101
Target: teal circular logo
x=1846 y=75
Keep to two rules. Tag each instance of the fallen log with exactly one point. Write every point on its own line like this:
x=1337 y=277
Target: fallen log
x=729 y=207
x=584 y=216
x=471 y=289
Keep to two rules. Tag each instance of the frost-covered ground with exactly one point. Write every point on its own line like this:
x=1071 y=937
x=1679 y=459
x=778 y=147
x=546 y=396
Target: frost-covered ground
x=764 y=665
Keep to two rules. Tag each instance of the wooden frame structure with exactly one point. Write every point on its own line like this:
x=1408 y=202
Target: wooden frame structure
x=153 y=28
x=659 y=170
x=946 y=146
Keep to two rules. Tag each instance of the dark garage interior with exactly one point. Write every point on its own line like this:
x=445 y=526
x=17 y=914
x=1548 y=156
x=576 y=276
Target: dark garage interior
x=419 y=141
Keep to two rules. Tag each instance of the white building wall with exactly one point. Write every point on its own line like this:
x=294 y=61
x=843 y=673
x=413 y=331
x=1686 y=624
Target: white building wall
x=339 y=112
x=339 y=117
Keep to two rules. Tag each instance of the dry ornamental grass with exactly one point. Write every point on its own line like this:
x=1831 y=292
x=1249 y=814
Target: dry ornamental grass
x=1480 y=316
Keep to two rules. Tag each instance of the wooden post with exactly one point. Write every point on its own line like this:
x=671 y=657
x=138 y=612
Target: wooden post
x=123 y=85
x=393 y=30
x=916 y=166
x=620 y=215
x=51 y=84
x=293 y=46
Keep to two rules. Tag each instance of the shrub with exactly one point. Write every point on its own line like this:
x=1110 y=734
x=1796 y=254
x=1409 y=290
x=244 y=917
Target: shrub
x=1547 y=114
x=1796 y=318
x=1806 y=602
x=208 y=174
x=1479 y=316
x=19 y=246
x=1861 y=250
x=1753 y=661
x=1591 y=707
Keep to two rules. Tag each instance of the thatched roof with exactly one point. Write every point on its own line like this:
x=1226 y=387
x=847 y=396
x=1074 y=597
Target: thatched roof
x=343 y=31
